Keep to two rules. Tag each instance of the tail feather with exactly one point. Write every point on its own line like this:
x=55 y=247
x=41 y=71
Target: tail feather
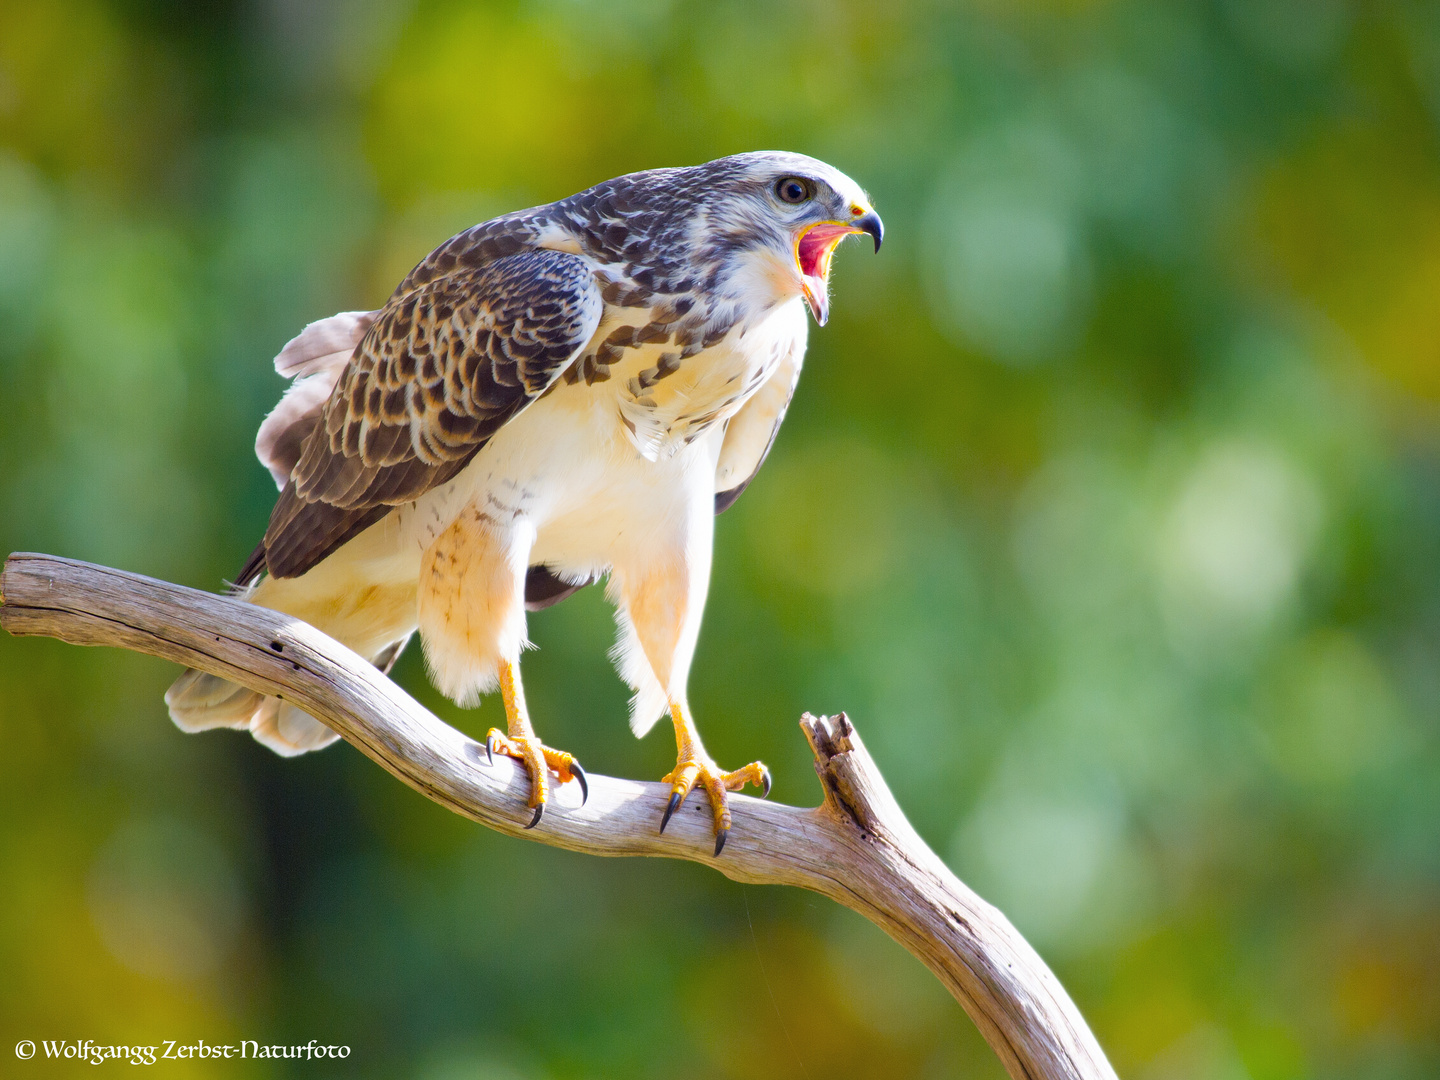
x=314 y=359
x=289 y=732
x=199 y=701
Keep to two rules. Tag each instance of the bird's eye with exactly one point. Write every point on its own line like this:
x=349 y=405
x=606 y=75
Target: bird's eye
x=794 y=189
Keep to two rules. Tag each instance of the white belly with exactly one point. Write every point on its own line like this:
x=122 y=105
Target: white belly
x=566 y=471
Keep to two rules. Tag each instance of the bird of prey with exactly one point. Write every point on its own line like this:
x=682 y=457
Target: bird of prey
x=555 y=395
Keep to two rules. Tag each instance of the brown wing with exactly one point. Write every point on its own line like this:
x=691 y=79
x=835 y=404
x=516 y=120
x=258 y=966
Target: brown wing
x=442 y=368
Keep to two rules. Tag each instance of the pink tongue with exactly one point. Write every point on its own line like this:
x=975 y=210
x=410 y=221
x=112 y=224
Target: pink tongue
x=814 y=246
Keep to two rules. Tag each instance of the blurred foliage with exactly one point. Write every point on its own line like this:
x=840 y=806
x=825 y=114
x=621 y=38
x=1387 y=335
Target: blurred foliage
x=1109 y=507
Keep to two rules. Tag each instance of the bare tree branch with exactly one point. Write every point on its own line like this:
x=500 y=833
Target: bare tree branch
x=856 y=847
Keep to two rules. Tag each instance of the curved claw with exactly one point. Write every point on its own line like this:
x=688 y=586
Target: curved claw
x=490 y=748
x=579 y=774
x=765 y=789
x=674 y=805
x=539 y=813
x=720 y=836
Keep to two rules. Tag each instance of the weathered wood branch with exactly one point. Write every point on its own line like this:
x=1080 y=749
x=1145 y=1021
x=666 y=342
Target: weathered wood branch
x=856 y=847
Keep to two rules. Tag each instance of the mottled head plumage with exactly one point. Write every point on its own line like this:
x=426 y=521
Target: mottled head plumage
x=736 y=224
x=721 y=229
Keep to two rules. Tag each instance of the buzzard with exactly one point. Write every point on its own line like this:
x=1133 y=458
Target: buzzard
x=554 y=395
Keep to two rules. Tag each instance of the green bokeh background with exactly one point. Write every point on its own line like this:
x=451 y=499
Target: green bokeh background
x=1109 y=507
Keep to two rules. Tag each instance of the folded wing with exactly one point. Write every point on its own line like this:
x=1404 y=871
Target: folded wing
x=441 y=368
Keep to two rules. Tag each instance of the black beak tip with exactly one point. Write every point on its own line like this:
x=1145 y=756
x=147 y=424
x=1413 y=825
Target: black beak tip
x=872 y=224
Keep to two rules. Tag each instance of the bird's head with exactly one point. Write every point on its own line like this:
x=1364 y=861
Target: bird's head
x=777 y=219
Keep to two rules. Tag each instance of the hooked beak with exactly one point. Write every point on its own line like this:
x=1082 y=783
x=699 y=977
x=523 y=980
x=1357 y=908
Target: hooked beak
x=813 y=249
x=870 y=223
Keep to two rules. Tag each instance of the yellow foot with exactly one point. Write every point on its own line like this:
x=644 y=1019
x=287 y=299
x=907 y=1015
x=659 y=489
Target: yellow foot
x=691 y=771
x=537 y=758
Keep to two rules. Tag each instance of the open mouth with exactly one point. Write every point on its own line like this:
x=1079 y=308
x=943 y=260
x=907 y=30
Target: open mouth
x=817 y=244
x=812 y=255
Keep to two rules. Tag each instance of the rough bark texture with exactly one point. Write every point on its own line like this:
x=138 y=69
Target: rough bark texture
x=856 y=847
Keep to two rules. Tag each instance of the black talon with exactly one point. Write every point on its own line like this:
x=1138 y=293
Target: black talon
x=579 y=774
x=539 y=813
x=674 y=805
x=765 y=790
x=720 y=841
x=490 y=749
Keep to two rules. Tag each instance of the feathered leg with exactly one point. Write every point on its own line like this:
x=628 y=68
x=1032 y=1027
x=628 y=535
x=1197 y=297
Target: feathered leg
x=661 y=602
x=472 y=623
